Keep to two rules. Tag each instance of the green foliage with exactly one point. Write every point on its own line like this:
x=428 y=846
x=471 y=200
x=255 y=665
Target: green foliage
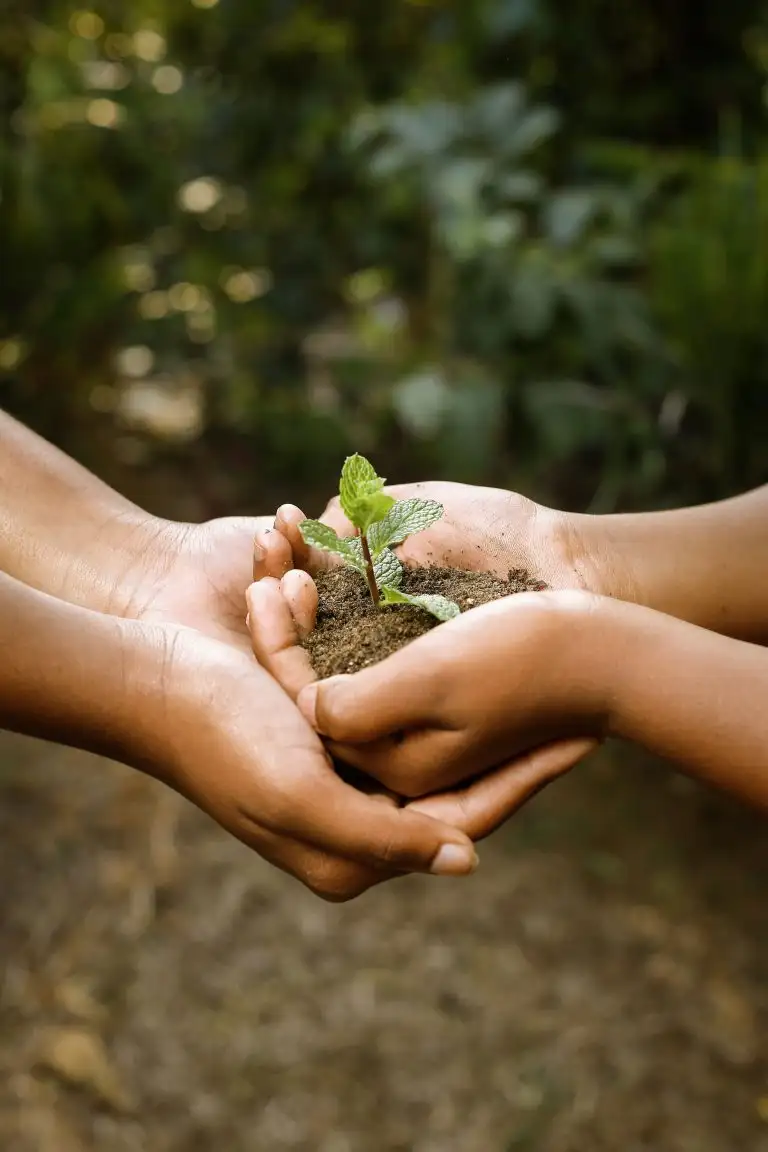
x=322 y=537
x=405 y=518
x=475 y=237
x=360 y=493
x=708 y=263
x=438 y=606
x=381 y=523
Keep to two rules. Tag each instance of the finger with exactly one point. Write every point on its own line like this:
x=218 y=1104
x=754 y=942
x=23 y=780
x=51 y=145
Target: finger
x=484 y=805
x=330 y=877
x=272 y=555
x=386 y=698
x=428 y=760
x=287 y=522
x=300 y=593
x=333 y=817
x=275 y=637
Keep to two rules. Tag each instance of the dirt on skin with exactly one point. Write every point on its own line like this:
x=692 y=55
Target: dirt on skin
x=352 y=633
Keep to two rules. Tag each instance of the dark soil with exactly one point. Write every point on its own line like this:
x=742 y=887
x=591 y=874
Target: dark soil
x=352 y=633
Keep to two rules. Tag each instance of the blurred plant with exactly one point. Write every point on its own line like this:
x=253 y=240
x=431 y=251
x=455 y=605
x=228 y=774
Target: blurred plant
x=708 y=283
x=204 y=252
x=530 y=304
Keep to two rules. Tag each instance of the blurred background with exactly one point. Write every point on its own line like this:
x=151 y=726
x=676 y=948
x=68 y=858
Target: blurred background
x=502 y=241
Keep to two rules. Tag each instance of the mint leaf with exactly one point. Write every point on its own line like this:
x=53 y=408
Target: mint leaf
x=438 y=606
x=404 y=519
x=371 y=508
x=320 y=536
x=388 y=570
x=360 y=492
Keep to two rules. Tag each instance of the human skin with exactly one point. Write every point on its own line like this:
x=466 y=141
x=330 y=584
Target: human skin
x=705 y=564
x=66 y=533
x=204 y=718
x=524 y=673
x=94 y=585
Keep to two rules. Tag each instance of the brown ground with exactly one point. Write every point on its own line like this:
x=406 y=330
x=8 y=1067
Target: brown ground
x=599 y=986
x=352 y=633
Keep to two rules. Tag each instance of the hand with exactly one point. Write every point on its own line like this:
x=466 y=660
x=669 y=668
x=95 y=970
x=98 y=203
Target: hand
x=221 y=732
x=205 y=719
x=483 y=529
x=195 y=575
x=483 y=692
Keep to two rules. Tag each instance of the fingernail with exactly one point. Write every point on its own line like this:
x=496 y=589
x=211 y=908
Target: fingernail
x=258 y=553
x=454 y=860
x=307 y=702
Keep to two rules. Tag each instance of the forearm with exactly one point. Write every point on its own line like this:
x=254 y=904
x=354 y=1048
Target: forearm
x=689 y=695
x=706 y=565
x=74 y=676
x=62 y=530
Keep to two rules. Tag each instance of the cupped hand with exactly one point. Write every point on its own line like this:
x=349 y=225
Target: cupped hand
x=226 y=735
x=482 y=529
x=195 y=575
x=425 y=720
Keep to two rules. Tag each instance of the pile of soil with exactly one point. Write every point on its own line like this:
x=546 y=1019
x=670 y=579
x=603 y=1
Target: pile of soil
x=352 y=633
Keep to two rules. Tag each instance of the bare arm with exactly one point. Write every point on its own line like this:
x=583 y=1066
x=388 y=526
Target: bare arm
x=61 y=529
x=690 y=695
x=66 y=533
x=75 y=676
x=707 y=565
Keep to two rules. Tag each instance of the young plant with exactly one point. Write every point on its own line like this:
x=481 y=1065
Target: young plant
x=381 y=523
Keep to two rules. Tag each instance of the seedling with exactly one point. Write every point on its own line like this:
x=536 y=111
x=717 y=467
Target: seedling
x=381 y=523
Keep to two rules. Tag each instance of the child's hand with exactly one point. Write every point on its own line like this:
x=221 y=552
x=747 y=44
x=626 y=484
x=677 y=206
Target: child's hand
x=438 y=713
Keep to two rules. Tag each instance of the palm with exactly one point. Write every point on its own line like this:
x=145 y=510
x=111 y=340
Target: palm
x=489 y=530
x=202 y=579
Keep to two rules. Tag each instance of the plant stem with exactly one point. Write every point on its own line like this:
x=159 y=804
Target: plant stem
x=370 y=575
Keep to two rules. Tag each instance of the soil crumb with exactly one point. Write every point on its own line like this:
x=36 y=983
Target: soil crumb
x=351 y=634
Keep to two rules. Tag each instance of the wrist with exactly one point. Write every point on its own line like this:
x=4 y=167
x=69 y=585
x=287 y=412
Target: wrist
x=628 y=654
x=118 y=557
x=585 y=645
x=602 y=554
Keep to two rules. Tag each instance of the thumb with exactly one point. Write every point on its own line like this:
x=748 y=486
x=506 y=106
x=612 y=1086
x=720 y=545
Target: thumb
x=368 y=705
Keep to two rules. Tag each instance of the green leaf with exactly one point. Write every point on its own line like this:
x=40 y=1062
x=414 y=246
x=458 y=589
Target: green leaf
x=355 y=475
x=438 y=606
x=360 y=491
x=320 y=536
x=404 y=519
x=388 y=570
